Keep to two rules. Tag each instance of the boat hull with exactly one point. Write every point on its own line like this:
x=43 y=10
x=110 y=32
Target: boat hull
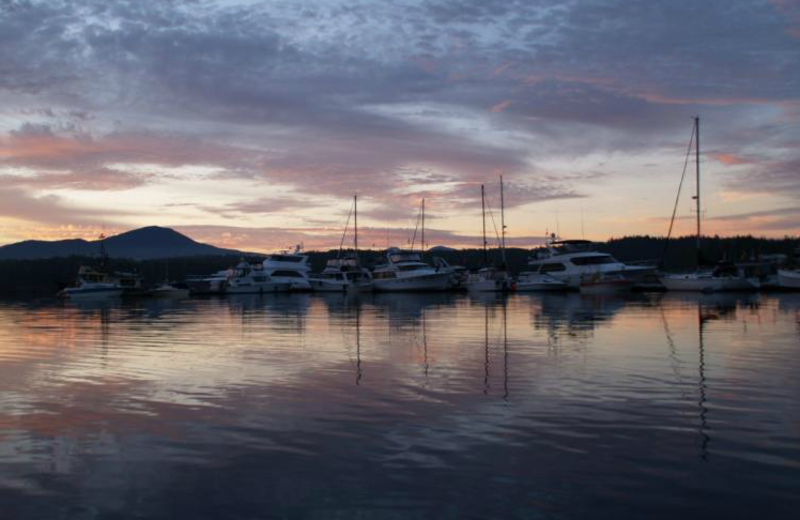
x=424 y=283
x=606 y=287
x=704 y=283
x=789 y=279
x=489 y=286
x=336 y=286
x=92 y=293
x=262 y=288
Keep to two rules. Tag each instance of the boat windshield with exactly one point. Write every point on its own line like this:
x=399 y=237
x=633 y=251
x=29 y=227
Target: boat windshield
x=412 y=267
x=404 y=257
x=285 y=258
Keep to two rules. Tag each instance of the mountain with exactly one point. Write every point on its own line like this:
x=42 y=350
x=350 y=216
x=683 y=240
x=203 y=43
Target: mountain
x=441 y=249
x=139 y=244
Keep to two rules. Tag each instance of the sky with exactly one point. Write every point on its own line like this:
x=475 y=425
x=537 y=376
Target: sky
x=251 y=124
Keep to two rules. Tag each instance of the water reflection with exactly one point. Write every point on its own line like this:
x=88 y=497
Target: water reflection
x=429 y=406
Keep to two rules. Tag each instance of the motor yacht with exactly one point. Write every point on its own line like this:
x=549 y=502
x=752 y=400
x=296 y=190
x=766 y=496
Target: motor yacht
x=571 y=261
x=342 y=275
x=405 y=271
x=92 y=285
x=289 y=267
x=169 y=290
x=789 y=278
x=253 y=279
x=211 y=284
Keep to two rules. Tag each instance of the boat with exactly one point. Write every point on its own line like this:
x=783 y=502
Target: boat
x=92 y=285
x=458 y=273
x=289 y=267
x=405 y=271
x=169 y=290
x=344 y=273
x=570 y=261
x=605 y=284
x=789 y=278
x=531 y=281
x=252 y=279
x=723 y=277
x=209 y=284
x=489 y=278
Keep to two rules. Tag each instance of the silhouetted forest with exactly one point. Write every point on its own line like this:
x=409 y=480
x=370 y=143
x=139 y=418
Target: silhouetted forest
x=43 y=277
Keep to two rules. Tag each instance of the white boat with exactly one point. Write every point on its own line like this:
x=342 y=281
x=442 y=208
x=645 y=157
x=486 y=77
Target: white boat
x=529 y=281
x=168 y=290
x=291 y=268
x=489 y=279
x=212 y=284
x=405 y=271
x=570 y=261
x=342 y=275
x=605 y=284
x=789 y=278
x=345 y=273
x=92 y=285
x=250 y=279
x=458 y=273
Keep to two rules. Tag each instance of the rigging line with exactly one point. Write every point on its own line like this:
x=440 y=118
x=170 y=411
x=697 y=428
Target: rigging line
x=344 y=233
x=678 y=196
x=416 y=226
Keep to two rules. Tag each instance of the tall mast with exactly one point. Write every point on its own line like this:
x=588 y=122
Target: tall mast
x=697 y=170
x=423 y=225
x=355 y=224
x=502 y=224
x=483 y=213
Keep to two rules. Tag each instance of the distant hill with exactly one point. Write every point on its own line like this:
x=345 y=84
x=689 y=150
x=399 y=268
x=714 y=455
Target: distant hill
x=139 y=244
x=440 y=249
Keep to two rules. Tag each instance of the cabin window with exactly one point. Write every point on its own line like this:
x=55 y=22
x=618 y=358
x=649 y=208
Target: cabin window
x=550 y=268
x=286 y=258
x=287 y=274
x=592 y=260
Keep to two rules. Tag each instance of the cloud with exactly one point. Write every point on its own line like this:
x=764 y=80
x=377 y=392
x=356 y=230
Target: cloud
x=394 y=100
x=54 y=210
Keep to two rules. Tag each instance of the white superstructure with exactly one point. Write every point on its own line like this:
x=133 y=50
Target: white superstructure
x=405 y=271
x=253 y=279
x=289 y=268
x=342 y=275
x=571 y=261
x=92 y=285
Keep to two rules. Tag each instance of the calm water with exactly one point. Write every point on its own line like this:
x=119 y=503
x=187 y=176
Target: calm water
x=401 y=406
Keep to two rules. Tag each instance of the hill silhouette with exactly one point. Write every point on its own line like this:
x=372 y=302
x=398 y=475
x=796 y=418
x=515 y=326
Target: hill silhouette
x=147 y=243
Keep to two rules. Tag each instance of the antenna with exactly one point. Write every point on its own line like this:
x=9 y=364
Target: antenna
x=502 y=223
x=583 y=231
x=483 y=213
x=423 y=225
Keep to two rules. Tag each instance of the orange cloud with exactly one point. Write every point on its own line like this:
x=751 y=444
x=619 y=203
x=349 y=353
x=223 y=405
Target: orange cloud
x=729 y=159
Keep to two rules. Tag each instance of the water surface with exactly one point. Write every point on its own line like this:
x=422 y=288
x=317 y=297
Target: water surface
x=401 y=406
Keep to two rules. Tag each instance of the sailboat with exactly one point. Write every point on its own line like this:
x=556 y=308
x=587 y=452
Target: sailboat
x=344 y=273
x=721 y=278
x=489 y=278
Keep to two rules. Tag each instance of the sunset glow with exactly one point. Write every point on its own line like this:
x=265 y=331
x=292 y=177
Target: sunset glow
x=251 y=124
